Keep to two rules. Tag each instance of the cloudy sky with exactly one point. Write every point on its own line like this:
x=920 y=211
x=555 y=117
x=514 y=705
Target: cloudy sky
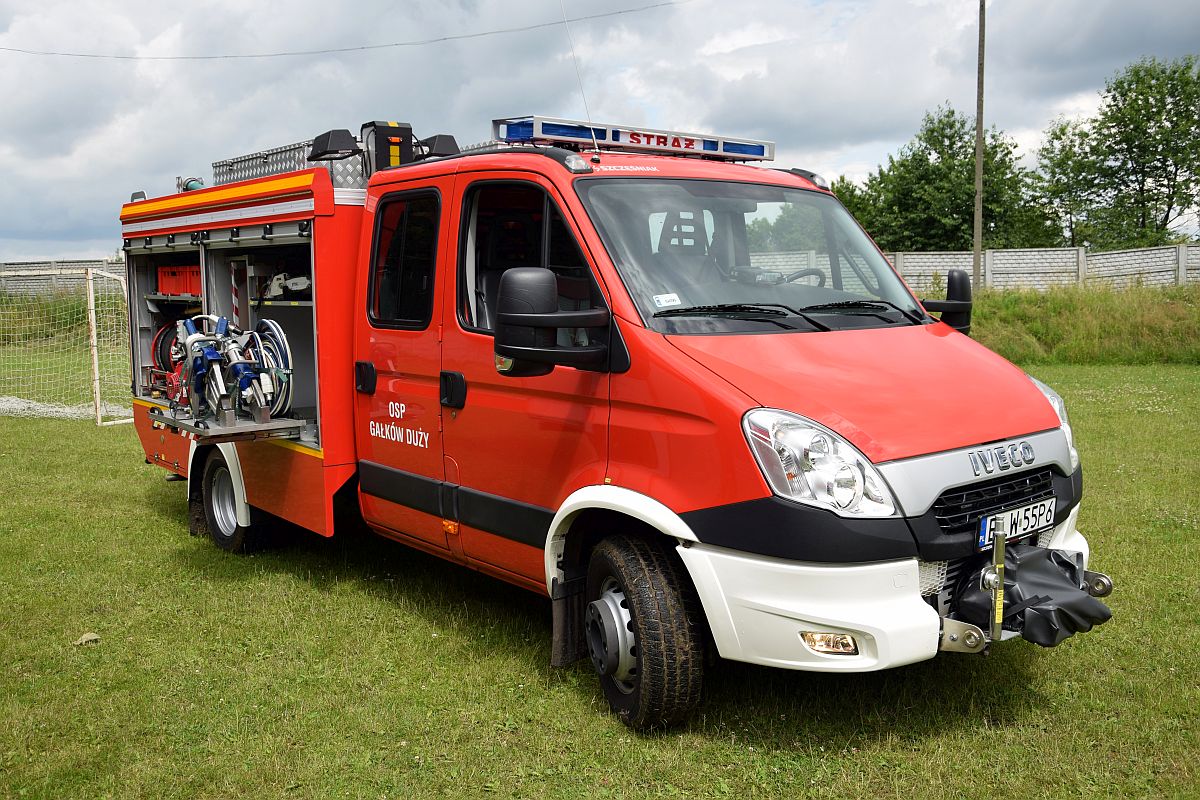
x=838 y=84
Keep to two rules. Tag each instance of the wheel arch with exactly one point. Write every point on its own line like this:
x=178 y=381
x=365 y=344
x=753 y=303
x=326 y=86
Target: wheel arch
x=198 y=456
x=591 y=509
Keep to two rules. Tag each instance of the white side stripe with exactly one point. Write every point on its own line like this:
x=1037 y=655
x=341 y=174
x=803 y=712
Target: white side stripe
x=349 y=197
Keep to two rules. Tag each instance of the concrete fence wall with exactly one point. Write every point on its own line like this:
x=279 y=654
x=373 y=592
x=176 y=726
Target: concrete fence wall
x=1043 y=268
x=56 y=276
x=1155 y=267
x=1039 y=269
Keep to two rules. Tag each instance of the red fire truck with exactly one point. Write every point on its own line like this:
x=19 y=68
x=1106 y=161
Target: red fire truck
x=678 y=392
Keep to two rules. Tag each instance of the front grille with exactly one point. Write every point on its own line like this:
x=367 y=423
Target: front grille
x=939 y=580
x=931 y=577
x=959 y=510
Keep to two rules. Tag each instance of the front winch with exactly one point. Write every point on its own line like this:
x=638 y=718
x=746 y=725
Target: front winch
x=1047 y=596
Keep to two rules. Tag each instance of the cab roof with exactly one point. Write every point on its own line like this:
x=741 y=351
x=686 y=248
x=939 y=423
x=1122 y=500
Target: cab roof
x=606 y=163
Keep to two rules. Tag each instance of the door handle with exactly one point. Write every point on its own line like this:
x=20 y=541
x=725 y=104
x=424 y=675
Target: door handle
x=365 y=377
x=453 y=388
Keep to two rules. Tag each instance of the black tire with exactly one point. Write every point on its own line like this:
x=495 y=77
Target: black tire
x=660 y=684
x=219 y=510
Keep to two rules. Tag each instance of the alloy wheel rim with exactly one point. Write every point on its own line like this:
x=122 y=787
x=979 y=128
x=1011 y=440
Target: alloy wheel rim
x=224 y=507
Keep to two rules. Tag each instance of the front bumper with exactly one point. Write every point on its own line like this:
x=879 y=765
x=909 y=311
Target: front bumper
x=758 y=606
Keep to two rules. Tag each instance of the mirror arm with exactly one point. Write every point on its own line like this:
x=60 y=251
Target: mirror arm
x=947 y=305
x=590 y=356
x=588 y=318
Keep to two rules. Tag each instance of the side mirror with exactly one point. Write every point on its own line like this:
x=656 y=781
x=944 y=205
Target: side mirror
x=956 y=308
x=527 y=322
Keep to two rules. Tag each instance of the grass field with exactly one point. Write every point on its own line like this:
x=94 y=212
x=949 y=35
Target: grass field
x=1091 y=325
x=359 y=668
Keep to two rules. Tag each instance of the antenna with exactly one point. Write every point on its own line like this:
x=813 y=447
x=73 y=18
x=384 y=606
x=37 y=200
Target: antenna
x=579 y=77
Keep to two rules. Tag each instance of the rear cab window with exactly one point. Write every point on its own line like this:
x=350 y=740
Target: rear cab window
x=404 y=259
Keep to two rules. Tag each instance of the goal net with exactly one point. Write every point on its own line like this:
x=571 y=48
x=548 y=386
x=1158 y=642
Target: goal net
x=64 y=343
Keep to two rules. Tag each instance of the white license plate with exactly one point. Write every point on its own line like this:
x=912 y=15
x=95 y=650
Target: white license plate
x=1015 y=523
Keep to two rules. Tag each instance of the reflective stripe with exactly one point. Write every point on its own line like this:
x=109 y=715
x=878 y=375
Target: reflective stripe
x=228 y=215
x=212 y=196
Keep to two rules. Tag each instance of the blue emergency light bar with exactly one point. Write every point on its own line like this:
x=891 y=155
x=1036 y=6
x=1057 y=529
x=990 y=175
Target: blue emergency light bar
x=550 y=130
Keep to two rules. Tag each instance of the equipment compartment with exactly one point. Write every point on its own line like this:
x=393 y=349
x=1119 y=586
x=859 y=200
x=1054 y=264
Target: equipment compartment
x=244 y=298
x=164 y=286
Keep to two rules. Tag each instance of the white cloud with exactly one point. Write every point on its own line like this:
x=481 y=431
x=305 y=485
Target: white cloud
x=838 y=85
x=753 y=35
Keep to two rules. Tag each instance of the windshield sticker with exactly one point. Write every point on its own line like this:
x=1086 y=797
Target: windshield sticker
x=664 y=300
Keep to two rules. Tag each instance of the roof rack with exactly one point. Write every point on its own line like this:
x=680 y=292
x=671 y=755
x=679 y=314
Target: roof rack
x=351 y=161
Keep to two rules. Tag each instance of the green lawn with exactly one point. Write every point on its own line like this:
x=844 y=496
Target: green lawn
x=359 y=668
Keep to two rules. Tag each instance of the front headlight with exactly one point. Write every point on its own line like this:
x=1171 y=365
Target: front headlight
x=1060 y=408
x=809 y=463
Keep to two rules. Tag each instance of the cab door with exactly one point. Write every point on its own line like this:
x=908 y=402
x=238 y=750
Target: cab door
x=397 y=361
x=516 y=447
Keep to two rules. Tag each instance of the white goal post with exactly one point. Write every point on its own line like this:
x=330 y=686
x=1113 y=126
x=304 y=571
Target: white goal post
x=64 y=343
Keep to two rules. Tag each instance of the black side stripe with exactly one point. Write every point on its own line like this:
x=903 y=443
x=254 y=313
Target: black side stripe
x=511 y=519
x=414 y=491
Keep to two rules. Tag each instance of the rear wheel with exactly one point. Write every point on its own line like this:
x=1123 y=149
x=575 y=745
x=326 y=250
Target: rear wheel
x=219 y=517
x=643 y=631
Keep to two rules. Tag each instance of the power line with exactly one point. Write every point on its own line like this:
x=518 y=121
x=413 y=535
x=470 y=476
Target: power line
x=358 y=48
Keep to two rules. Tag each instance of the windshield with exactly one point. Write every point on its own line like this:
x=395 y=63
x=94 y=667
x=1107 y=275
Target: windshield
x=716 y=257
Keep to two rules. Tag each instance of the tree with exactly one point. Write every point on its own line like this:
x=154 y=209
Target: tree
x=1066 y=178
x=853 y=196
x=1147 y=148
x=1128 y=176
x=923 y=198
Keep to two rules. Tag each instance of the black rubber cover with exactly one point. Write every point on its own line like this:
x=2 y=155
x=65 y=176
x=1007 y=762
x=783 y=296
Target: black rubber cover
x=772 y=526
x=1043 y=596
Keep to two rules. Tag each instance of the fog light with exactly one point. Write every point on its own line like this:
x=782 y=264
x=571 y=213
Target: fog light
x=833 y=644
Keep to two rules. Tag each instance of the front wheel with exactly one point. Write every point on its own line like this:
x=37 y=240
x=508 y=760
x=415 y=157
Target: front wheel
x=643 y=631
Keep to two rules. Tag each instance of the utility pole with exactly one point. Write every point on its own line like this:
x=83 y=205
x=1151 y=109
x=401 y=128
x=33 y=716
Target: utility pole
x=977 y=238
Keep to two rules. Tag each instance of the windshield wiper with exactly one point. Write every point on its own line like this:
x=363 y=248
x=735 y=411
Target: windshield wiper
x=769 y=309
x=865 y=304
x=722 y=308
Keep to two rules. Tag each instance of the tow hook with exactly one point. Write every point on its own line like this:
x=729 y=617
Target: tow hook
x=961 y=637
x=1097 y=583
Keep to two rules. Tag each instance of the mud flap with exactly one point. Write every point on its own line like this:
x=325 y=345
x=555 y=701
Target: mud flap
x=1046 y=597
x=567 y=605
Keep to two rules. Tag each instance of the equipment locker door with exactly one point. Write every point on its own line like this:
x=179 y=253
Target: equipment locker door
x=517 y=446
x=396 y=350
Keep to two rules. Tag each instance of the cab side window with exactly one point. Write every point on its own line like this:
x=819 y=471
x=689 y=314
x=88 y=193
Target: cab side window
x=404 y=257
x=508 y=225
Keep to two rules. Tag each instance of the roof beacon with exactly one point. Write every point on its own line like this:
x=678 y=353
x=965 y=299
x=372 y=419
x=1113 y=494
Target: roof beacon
x=550 y=130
